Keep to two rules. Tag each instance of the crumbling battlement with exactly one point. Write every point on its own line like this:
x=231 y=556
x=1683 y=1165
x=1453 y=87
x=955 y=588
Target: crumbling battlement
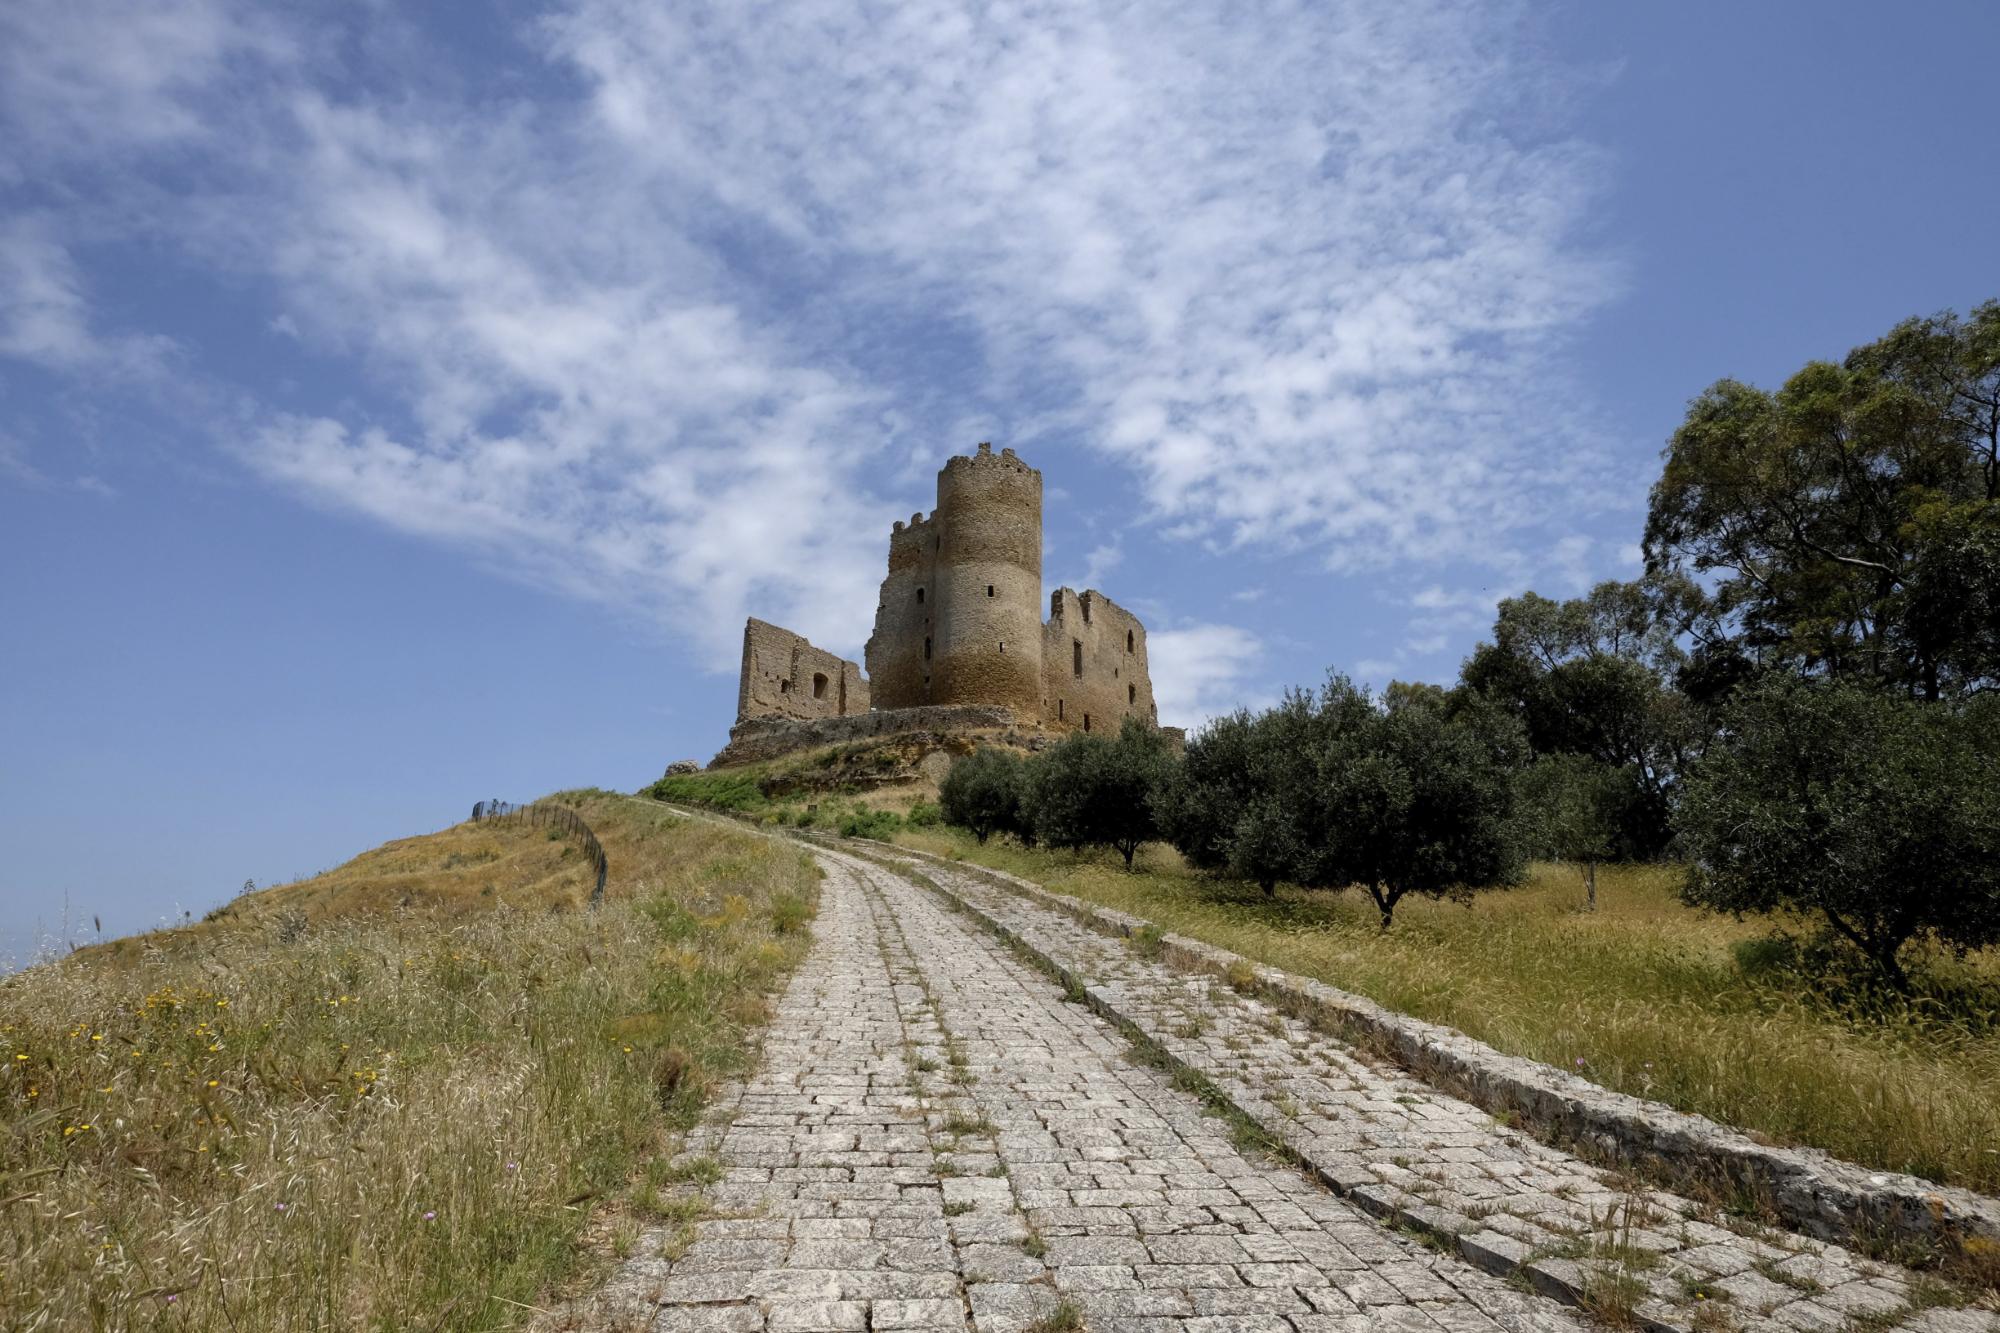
x=1094 y=672
x=785 y=676
x=959 y=624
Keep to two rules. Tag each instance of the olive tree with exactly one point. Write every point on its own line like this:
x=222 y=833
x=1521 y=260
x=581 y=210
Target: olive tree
x=1086 y=791
x=1570 y=810
x=1336 y=788
x=1416 y=800
x=1870 y=813
x=982 y=792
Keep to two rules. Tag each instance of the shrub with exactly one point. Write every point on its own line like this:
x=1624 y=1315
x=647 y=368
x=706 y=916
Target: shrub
x=923 y=815
x=864 y=823
x=1871 y=814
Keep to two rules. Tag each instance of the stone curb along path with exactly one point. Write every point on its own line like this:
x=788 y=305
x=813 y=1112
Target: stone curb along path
x=1810 y=1190
x=1399 y=1148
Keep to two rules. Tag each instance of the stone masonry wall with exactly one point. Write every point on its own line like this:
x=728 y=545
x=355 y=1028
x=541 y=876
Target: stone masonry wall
x=761 y=738
x=899 y=672
x=958 y=623
x=989 y=583
x=1094 y=669
x=785 y=676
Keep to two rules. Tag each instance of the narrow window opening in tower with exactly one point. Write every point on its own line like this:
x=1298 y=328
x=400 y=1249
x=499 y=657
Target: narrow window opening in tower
x=819 y=685
x=1059 y=710
x=1131 y=694
x=1128 y=640
x=920 y=597
x=1003 y=647
x=989 y=590
x=1086 y=722
x=1076 y=657
x=927 y=649
x=1086 y=610
x=784 y=687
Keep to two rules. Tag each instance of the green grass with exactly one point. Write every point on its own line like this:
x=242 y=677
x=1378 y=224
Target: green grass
x=384 y=1119
x=1644 y=995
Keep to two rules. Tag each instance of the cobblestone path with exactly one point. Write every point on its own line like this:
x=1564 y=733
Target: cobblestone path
x=937 y=1138
x=1401 y=1149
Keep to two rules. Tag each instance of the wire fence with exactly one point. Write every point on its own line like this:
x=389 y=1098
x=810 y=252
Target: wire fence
x=543 y=814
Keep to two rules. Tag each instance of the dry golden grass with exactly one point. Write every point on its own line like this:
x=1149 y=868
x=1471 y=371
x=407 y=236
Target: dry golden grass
x=1645 y=995
x=398 y=1116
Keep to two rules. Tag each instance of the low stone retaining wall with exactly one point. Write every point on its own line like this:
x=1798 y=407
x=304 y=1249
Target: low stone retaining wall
x=763 y=738
x=1808 y=1190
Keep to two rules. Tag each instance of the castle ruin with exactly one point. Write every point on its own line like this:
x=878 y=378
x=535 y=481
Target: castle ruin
x=959 y=638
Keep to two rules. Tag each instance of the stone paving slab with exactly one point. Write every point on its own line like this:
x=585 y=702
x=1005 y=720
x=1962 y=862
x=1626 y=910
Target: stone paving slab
x=936 y=1138
x=1401 y=1150
x=1808 y=1190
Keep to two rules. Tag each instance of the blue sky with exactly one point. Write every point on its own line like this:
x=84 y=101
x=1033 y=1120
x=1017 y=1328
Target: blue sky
x=400 y=406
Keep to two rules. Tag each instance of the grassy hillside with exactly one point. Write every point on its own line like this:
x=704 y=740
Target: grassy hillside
x=388 y=1097
x=1645 y=995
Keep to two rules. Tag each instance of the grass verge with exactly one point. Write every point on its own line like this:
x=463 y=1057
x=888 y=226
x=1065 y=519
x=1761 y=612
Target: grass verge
x=1644 y=995
x=313 y=1112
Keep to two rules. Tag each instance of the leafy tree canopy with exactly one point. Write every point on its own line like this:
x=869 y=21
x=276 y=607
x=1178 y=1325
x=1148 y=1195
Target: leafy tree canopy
x=1334 y=789
x=1868 y=812
x=1850 y=522
x=982 y=792
x=1593 y=676
x=1086 y=791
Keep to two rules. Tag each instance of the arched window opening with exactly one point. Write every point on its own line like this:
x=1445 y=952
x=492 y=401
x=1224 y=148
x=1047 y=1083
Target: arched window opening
x=989 y=590
x=784 y=687
x=819 y=685
x=1131 y=694
x=1128 y=640
x=1076 y=658
x=1086 y=722
x=920 y=597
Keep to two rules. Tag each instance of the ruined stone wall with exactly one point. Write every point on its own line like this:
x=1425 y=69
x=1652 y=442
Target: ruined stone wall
x=1094 y=668
x=958 y=622
x=785 y=676
x=988 y=577
x=762 y=738
x=899 y=667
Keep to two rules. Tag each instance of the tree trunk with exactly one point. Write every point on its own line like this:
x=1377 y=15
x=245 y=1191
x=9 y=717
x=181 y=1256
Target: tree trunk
x=1385 y=903
x=1270 y=887
x=1877 y=951
x=1590 y=879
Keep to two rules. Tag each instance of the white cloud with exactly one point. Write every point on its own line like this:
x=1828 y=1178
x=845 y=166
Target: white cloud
x=1200 y=671
x=81 y=78
x=1301 y=269
x=1100 y=562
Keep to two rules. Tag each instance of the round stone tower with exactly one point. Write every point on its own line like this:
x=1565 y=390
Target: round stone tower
x=986 y=637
